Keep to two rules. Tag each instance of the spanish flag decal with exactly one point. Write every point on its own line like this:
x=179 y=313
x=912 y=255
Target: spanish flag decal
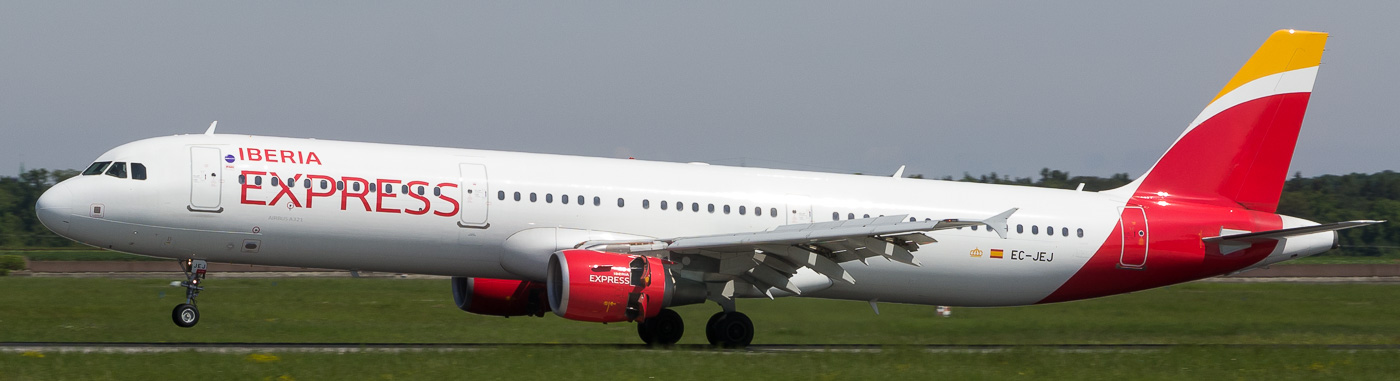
x=996 y=253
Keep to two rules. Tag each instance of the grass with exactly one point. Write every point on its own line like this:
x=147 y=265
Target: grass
x=421 y=311
x=1198 y=315
x=575 y=363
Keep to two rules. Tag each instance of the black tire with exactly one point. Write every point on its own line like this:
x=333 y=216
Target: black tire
x=730 y=330
x=667 y=327
x=185 y=315
x=647 y=331
x=710 y=329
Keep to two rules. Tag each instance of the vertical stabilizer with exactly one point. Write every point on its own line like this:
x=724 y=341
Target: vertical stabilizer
x=1238 y=149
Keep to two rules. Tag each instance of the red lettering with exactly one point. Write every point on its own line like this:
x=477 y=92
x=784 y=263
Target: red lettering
x=311 y=158
x=347 y=193
x=383 y=194
x=287 y=157
x=287 y=190
x=270 y=155
x=312 y=194
x=248 y=184
x=455 y=206
x=300 y=159
x=240 y=153
x=426 y=204
x=254 y=155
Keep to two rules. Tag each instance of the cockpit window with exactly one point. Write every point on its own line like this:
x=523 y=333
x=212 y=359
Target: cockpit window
x=117 y=170
x=96 y=168
x=138 y=171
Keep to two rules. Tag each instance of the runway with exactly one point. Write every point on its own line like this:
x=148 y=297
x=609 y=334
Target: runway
x=243 y=348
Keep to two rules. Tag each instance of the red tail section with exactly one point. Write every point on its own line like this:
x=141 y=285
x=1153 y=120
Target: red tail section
x=1238 y=150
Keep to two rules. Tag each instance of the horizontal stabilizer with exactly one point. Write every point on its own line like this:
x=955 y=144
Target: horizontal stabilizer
x=1246 y=238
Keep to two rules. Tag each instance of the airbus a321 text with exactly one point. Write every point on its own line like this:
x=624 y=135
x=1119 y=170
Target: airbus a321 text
x=607 y=240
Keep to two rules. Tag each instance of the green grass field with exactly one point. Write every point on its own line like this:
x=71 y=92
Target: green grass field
x=421 y=311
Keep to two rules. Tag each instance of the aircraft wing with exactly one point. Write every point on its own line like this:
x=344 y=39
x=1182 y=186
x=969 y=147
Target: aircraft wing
x=769 y=259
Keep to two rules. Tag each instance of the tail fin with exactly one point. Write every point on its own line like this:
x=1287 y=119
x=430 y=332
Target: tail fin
x=1238 y=150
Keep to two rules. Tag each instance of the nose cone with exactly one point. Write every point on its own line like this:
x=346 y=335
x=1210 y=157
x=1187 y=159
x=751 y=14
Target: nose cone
x=55 y=207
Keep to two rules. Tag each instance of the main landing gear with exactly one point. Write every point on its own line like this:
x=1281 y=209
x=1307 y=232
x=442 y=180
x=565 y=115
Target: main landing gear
x=186 y=314
x=725 y=329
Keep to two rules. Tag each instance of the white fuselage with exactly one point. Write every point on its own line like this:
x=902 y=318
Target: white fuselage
x=467 y=222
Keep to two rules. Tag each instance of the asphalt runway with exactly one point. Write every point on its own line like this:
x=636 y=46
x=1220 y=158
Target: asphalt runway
x=242 y=348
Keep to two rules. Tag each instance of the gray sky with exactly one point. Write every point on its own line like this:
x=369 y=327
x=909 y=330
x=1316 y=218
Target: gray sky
x=1011 y=87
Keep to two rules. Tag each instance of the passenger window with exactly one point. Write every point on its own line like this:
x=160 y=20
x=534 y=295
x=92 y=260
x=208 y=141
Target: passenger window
x=711 y=208
x=373 y=187
x=533 y=197
x=773 y=211
x=549 y=198
x=138 y=171
x=1080 y=232
x=242 y=179
x=564 y=199
x=866 y=216
x=1020 y=229
x=306 y=183
x=117 y=170
x=291 y=183
x=695 y=207
x=597 y=201
x=353 y=186
x=835 y=216
x=276 y=181
x=340 y=185
x=96 y=168
x=388 y=189
x=663 y=204
x=912 y=219
x=680 y=206
x=646 y=204
x=437 y=191
x=1050 y=230
x=741 y=210
x=850 y=216
x=1064 y=232
x=517 y=196
x=403 y=189
x=325 y=184
x=726 y=209
x=580 y=200
x=500 y=195
x=758 y=211
x=619 y=202
x=1035 y=229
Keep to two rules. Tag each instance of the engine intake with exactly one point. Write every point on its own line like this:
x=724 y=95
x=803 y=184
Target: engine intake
x=499 y=297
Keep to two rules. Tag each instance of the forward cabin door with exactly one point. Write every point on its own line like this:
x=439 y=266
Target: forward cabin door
x=475 y=196
x=1133 y=225
x=206 y=179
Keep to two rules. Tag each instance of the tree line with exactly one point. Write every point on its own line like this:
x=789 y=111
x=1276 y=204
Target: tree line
x=1327 y=198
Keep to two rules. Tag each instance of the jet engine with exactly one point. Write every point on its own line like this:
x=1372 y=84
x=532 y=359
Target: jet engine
x=607 y=287
x=499 y=297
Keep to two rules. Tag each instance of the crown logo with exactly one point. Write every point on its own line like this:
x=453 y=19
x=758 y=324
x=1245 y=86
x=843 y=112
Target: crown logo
x=975 y=253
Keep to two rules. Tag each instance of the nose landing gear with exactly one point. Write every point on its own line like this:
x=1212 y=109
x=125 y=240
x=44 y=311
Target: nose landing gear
x=186 y=314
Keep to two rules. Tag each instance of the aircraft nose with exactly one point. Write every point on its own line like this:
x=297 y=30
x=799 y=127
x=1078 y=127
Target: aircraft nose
x=55 y=207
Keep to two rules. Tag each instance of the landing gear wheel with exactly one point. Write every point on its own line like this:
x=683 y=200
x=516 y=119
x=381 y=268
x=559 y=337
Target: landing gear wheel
x=185 y=315
x=666 y=328
x=729 y=330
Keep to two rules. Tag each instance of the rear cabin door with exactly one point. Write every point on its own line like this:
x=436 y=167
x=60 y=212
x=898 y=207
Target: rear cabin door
x=1133 y=224
x=206 y=179
x=475 y=196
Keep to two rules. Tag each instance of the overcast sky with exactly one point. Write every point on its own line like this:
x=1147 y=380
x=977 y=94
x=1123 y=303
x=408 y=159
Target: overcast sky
x=855 y=86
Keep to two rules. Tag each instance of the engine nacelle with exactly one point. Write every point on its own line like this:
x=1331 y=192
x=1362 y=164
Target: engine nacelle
x=610 y=287
x=499 y=297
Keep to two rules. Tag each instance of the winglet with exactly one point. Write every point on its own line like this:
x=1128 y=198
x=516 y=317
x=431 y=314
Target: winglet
x=998 y=222
x=210 y=131
x=899 y=173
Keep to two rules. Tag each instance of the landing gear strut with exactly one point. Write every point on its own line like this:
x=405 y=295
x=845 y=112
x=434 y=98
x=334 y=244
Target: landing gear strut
x=186 y=314
x=665 y=328
x=729 y=330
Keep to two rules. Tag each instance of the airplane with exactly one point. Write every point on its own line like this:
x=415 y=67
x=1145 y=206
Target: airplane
x=614 y=240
